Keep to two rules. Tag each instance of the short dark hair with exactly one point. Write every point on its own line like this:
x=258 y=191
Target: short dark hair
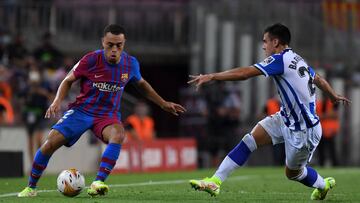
x=114 y=29
x=280 y=32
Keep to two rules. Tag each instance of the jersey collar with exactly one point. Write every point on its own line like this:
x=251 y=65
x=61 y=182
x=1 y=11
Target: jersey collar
x=286 y=50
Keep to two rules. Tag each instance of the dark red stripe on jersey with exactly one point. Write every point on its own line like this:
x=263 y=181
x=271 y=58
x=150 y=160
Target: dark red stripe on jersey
x=114 y=95
x=102 y=101
x=117 y=109
x=116 y=98
x=99 y=65
x=91 y=103
x=92 y=60
x=99 y=105
x=99 y=59
x=38 y=167
x=128 y=65
x=111 y=100
x=123 y=71
x=127 y=69
x=108 y=161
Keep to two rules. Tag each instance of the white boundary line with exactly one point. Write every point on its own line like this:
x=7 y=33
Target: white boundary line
x=165 y=182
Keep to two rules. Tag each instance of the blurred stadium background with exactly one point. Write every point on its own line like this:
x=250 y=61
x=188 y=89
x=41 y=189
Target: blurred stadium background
x=40 y=40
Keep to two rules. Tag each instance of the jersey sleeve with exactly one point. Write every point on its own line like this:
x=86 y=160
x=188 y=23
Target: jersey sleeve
x=81 y=68
x=135 y=70
x=312 y=72
x=272 y=65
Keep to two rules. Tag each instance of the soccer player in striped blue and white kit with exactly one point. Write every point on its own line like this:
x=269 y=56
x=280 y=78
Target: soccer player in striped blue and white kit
x=103 y=75
x=296 y=124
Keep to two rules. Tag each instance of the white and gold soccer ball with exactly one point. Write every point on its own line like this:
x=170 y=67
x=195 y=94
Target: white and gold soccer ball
x=70 y=182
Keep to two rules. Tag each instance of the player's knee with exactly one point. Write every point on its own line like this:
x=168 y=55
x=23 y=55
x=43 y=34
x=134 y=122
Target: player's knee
x=117 y=138
x=49 y=147
x=250 y=142
x=293 y=174
x=52 y=143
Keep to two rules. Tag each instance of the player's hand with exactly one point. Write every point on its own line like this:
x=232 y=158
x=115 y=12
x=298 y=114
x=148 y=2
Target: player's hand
x=173 y=108
x=341 y=99
x=53 y=109
x=198 y=80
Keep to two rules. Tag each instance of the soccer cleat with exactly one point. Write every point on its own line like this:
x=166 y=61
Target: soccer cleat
x=319 y=194
x=209 y=185
x=28 y=192
x=98 y=188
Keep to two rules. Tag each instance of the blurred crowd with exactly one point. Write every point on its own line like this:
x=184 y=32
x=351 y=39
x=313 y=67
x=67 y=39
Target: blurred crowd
x=214 y=118
x=28 y=83
x=29 y=78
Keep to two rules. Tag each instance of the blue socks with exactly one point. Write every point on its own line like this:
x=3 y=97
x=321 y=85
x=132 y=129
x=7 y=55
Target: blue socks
x=39 y=165
x=237 y=157
x=240 y=153
x=108 y=160
x=310 y=178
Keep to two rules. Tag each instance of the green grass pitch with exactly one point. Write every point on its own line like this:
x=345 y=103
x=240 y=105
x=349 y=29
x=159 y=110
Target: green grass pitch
x=247 y=184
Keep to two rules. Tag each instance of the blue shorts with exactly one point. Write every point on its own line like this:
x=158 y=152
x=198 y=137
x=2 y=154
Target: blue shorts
x=74 y=123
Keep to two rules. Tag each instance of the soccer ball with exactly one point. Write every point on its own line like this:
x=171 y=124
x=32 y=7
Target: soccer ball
x=70 y=182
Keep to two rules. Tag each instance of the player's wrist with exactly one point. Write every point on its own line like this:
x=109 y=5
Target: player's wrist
x=57 y=100
x=163 y=104
x=212 y=76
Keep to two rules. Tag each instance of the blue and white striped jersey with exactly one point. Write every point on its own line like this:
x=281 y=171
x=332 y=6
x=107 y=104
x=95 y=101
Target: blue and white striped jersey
x=294 y=80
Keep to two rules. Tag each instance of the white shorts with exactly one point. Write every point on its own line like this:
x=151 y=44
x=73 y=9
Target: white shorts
x=299 y=145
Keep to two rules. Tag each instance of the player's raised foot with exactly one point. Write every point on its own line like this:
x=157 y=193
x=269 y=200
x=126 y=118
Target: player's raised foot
x=319 y=194
x=27 y=192
x=209 y=185
x=98 y=188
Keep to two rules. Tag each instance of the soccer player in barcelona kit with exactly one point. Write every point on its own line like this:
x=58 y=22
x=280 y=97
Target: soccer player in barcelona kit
x=296 y=124
x=103 y=74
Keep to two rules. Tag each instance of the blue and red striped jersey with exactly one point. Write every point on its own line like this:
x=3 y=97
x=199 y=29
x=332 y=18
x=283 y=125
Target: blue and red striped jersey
x=102 y=84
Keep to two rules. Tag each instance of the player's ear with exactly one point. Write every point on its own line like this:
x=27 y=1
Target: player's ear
x=103 y=42
x=276 y=42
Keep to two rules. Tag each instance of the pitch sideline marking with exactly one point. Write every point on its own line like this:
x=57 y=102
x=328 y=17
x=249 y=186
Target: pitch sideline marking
x=171 y=182
x=165 y=182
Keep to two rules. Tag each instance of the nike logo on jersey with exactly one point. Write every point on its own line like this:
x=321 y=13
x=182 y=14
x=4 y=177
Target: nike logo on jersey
x=98 y=76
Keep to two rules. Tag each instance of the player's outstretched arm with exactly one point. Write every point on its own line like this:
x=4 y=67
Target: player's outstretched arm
x=240 y=73
x=61 y=93
x=329 y=91
x=153 y=96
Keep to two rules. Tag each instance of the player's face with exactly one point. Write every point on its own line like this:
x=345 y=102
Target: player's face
x=269 y=45
x=113 y=46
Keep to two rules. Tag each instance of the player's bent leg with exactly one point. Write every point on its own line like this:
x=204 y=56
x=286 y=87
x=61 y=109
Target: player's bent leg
x=54 y=141
x=309 y=177
x=236 y=158
x=113 y=134
x=240 y=154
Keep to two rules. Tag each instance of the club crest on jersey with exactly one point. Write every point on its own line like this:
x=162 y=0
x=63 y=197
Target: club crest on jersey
x=267 y=61
x=124 y=77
